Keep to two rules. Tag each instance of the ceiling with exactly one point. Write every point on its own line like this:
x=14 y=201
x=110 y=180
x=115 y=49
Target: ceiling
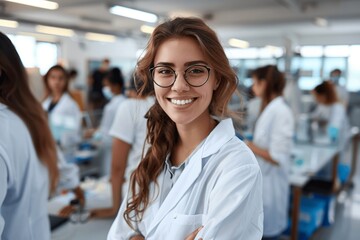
x=251 y=20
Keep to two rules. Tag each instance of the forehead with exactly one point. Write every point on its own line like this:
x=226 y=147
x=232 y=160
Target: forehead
x=56 y=72
x=179 y=51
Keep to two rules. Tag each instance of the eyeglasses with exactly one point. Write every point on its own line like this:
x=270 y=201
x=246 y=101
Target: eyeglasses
x=195 y=75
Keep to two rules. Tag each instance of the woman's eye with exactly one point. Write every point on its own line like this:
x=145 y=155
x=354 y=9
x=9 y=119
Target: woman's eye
x=164 y=71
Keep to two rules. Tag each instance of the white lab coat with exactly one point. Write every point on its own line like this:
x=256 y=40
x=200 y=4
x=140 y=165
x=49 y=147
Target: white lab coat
x=65 y=117
x=220 y=189
x=69 y=173
x=274 y=131
x=335 y=115
x=23 y=183
x=108 y=118
x=343 y=95
x=129 y=126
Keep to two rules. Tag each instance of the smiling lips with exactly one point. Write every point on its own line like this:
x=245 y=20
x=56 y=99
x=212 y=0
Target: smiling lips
x=182 y=101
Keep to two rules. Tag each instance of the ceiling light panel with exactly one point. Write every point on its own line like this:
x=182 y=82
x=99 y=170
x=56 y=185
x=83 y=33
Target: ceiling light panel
x=133 y=13
x=37 y=3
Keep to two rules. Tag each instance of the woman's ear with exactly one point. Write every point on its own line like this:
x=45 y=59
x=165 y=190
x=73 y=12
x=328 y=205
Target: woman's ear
x=216 y=84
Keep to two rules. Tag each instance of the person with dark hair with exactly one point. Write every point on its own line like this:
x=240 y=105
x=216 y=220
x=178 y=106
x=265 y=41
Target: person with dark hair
x=113 y=89
x=196 y=179
x=28 y=161
x=128 y=132
x=64 y=113
x=96 y=98
x=272 y=143
x=331 y=116
x=341 y=91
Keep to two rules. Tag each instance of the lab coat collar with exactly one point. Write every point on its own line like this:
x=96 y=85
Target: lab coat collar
x=221 y=134
x=275 y=102
x=2 y=106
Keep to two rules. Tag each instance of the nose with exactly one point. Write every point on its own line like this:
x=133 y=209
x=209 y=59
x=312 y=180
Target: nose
x=180 y=84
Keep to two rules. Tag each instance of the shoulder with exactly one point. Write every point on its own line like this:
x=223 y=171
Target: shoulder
x=281 y=109
x=225 y=149
x=235 y=153
x=69 y=100
x=11 y=125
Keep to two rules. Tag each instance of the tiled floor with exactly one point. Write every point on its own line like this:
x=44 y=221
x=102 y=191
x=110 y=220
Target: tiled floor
x=347 y=218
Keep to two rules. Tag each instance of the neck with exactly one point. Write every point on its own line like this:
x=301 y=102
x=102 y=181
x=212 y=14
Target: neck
x=56 y=97
x=190 y=137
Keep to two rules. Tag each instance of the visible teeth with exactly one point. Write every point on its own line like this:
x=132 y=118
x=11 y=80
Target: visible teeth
x=181 y=102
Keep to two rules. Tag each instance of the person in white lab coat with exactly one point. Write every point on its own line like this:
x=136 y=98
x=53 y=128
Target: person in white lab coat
x=197 y=180
x=341 y=91
x=28 y=166
x=64 y=113
x=331 y=113
x=128 y=132
x=272 y=142
x=113 y=90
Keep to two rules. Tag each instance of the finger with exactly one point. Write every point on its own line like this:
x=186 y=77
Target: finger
x=66 y=211
x=193 y=234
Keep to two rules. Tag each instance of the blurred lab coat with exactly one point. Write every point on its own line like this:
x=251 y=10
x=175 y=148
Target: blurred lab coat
x=69 y=173
x=220 y=189
x=293 y=95
x=335 y=116
x=24 y=183
x=64 y=119
x=274 y=131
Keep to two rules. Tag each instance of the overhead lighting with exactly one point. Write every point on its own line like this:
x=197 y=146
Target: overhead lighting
x=238 y=43
x=55 y=31
x=100 y=37
x=321 y=22
x=39 y=36
x=37 y=3
x=135 y=14
x=8 y=23
x=147 y=29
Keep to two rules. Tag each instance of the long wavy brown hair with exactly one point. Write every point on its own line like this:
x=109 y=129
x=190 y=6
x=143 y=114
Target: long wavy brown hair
x=162 y=134
x=275 y=83
x=15 y=93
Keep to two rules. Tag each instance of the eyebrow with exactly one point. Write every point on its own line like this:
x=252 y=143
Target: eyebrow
x=186 y=64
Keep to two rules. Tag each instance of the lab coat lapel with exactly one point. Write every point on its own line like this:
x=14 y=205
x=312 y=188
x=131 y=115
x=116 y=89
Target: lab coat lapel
x=186 y=179
x=217 y=138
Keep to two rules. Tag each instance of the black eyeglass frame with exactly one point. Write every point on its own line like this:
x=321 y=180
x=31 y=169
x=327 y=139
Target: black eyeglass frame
x=184 y=75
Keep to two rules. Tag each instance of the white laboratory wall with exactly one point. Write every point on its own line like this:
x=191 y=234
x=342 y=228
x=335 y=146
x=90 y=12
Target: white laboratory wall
x=77 y=53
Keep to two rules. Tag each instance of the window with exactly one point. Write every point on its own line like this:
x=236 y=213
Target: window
x=35 y=54
x=45 y=56
x=353 y=76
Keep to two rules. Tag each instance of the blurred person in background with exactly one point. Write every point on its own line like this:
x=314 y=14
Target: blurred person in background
x=63 y=112
x=272 y=143
x=113 y=90
x=28 y=161
x=96 y=98
x=341 y=91
x=129 y=132
x=331 y=115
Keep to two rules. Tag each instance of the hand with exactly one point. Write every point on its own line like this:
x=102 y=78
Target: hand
x=193 y=234
x=79 y=193
x=137 y=237
x=88 y=133
x=103 y=213
x=249 y=144
x=66 y=211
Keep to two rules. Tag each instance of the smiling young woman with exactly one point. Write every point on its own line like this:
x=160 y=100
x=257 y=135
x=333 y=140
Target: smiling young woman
x=197 y=180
